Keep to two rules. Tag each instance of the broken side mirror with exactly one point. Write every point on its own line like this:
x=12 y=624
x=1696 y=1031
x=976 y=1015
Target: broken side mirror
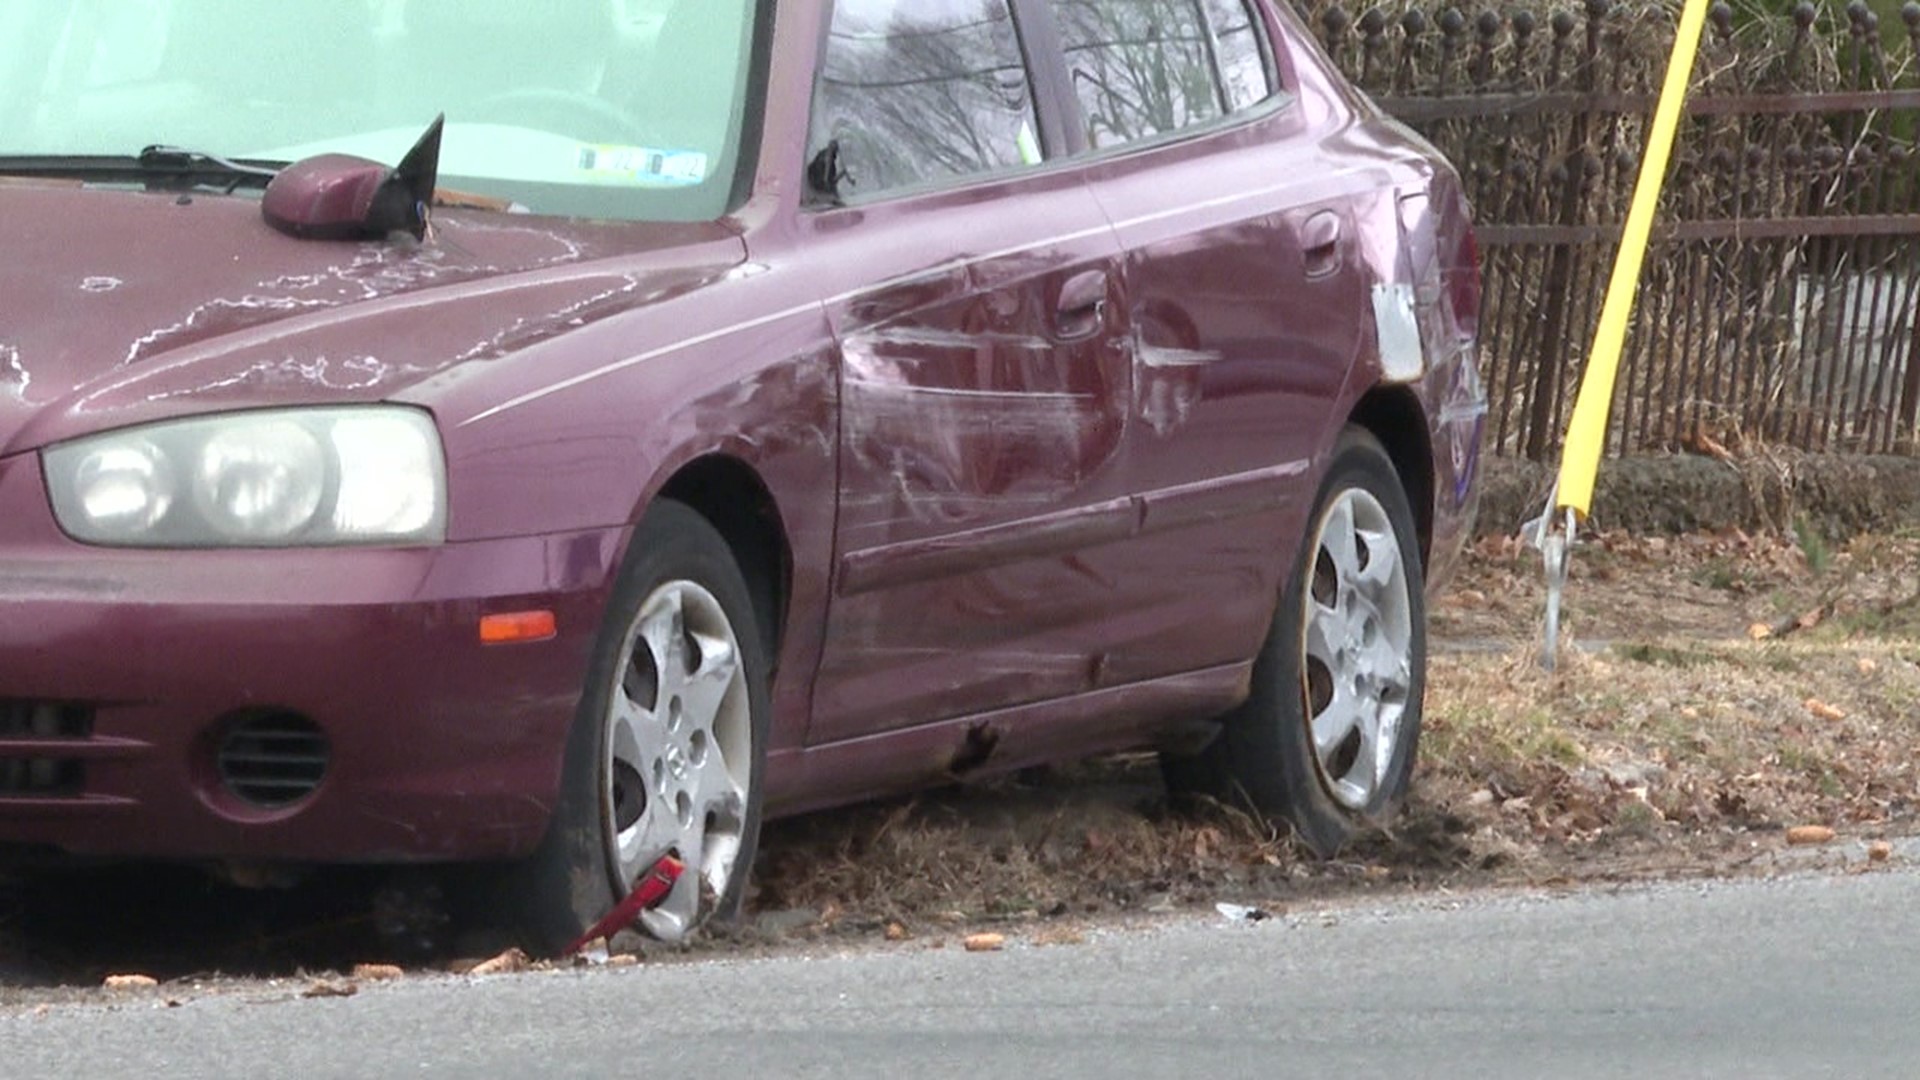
x=343 y=197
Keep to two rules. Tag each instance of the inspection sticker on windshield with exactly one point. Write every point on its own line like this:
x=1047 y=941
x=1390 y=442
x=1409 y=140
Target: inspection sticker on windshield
x=643 y=164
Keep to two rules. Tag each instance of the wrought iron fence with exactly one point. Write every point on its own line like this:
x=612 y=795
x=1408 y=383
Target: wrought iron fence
x=1781 y=300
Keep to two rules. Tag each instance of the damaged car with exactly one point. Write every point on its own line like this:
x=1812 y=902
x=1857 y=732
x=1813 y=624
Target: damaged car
x=556 y=438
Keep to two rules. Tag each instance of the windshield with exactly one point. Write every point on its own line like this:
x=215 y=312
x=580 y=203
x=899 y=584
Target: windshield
x=606 y=108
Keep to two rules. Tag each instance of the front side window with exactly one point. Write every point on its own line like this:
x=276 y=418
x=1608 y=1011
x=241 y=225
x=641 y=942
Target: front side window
x=616 y=108
x=1143 y=68
x=917 y=91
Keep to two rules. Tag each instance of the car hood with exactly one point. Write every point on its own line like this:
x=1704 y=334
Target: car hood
x=125 y=306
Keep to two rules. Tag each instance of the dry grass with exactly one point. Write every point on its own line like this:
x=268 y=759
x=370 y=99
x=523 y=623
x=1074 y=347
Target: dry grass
x=1686 y=748
x=1083 y=839
x=1696 y=736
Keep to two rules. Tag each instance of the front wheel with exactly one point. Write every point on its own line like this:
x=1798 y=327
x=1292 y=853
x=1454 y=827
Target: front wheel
x=668 y=747
x=1328 y=734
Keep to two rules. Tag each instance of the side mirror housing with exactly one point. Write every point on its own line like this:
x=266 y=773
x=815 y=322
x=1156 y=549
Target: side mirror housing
x=343 y=197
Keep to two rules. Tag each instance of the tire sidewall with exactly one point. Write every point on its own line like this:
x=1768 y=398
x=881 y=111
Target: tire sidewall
x=570 y=881
x=1358 y=462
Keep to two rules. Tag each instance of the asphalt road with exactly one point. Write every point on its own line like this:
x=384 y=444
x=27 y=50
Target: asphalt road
x=1805 y=976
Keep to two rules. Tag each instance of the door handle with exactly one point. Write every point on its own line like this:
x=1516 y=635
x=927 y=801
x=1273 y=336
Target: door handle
x=1082 y=305
x=1320 y=244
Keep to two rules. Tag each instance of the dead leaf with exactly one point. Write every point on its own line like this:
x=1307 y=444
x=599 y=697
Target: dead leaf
x=1824 y=711
x=621 y=960
x=130 y=982
x=1759 y=631
x=1060 y=936
x=1866 y=665
x=505 y=964
x=984 y=942
x=897 y=932
x=377 y=972
x=1700 y=442
x=1879 y=851
x=1809 y=834
x=1205 y=841
x=326 y=988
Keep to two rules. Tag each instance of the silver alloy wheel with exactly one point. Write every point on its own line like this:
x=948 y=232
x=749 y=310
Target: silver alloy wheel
x=1357 y=675
x=679 y=748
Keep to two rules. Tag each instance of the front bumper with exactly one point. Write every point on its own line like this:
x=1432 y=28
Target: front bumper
x=439 y=747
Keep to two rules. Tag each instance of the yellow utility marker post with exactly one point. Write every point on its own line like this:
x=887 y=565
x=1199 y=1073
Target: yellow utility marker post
x=1587 y=430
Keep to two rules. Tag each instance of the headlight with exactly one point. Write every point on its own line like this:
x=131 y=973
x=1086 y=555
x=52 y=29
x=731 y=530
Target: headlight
x=285 y=478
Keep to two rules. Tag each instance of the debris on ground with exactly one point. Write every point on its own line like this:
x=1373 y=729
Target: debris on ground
x=779 y=924
x=1823 y=711
x=1809 y=834
x=594 y=953
x=130 y=982
x=511 y=961
x=986 y=942
x=330 y=988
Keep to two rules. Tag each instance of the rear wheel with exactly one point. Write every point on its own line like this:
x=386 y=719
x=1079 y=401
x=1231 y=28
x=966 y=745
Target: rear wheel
x=667 y=750
x=1327 y=737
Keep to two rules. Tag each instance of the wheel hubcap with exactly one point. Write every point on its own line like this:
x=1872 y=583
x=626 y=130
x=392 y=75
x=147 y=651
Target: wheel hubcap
x=1357 y=670
x=678 y=753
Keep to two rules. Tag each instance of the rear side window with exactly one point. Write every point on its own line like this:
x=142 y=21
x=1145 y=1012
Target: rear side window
x=917 y=91
x=1143 y=68
x=1239 y=49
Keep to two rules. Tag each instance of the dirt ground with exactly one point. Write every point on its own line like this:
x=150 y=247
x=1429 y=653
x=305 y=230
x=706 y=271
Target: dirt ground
x=1721 y=702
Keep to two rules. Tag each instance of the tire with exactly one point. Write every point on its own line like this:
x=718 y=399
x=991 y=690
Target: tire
x=658 y=762
x=1356 y=625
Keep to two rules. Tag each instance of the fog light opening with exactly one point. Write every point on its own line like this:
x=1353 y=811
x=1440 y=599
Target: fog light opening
x=272 y=760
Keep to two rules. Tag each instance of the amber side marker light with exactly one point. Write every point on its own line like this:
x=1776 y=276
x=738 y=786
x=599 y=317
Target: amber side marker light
x=512 y=626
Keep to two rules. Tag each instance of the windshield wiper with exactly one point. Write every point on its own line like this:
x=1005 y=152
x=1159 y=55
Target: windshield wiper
x=155 y=166
x=200 y=163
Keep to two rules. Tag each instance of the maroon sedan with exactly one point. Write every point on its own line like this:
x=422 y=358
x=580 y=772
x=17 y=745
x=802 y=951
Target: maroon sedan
x=735 y=407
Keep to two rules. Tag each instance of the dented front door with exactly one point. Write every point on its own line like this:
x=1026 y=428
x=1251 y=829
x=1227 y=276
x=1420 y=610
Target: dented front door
x=985 y=395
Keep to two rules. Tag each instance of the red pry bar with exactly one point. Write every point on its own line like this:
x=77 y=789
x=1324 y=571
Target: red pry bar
x=648 y=890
